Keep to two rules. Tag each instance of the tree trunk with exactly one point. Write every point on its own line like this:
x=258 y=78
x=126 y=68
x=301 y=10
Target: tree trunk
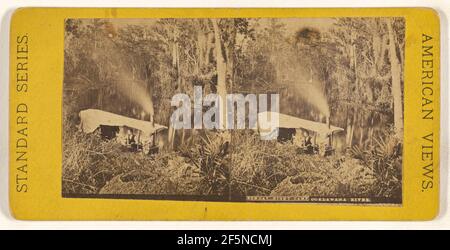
x=361 y=136
x=349 y=127
x=352 y=130
x=370 y=134
x=396 y=82
x=200 y=51
x=201 y=46
x=175 y=64
x=221 y=73
x=208 y=42
x=230 y=65
x=229 y=51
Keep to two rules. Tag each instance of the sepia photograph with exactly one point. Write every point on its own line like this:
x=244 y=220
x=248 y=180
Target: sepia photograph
x=285 y=110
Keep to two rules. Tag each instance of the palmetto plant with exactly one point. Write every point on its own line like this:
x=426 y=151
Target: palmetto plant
x=384 y=159
x=210 y=156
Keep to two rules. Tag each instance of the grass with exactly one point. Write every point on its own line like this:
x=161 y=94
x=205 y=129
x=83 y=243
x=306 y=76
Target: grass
x=92 y=165
x=271 y=168
x=211 y=165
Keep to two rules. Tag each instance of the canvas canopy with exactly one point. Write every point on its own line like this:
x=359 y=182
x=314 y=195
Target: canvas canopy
x=287 y=121
x=91 y=119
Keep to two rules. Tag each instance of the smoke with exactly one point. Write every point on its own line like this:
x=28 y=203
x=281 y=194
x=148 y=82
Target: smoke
x=302 y=82
x=314 y=96
x=135 y=91
x=124 y=75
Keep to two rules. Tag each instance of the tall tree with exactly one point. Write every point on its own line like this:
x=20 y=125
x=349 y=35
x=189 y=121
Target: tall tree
x=221 y=72
x=396 y=80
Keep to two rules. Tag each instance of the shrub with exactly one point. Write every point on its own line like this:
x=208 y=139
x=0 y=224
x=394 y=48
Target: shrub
x=384 y=158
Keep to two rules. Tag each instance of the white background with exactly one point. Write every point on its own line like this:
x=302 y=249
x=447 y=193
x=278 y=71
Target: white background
x=6 y=9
